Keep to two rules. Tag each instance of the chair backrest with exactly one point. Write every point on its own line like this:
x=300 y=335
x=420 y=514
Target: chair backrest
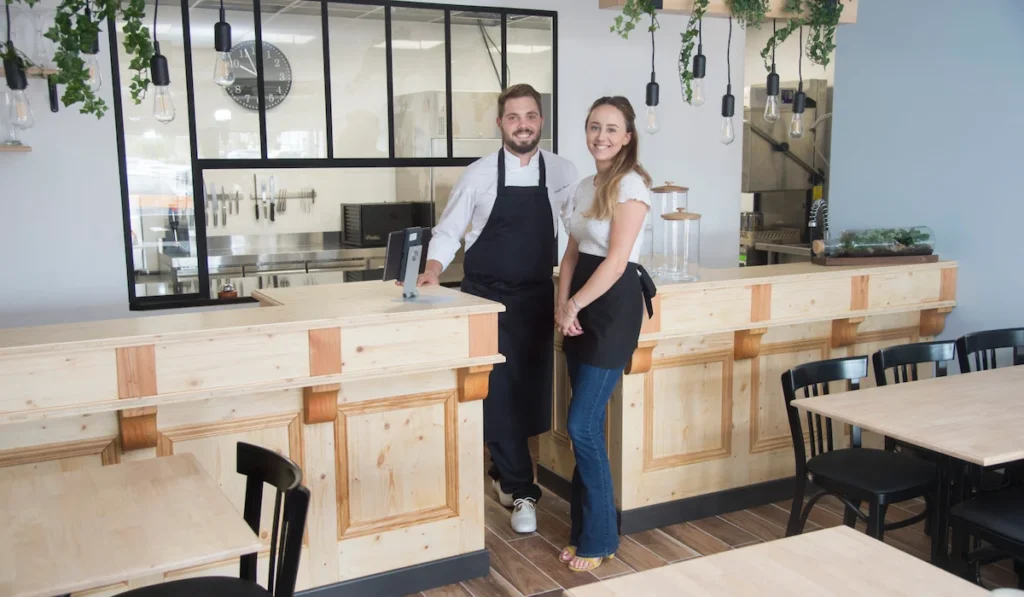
x=262 y=466
x=813 y=379
x=904 y=359
x=983 y=346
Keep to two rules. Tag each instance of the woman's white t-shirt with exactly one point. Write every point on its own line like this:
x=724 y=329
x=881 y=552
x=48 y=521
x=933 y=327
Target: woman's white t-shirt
x=592 y=235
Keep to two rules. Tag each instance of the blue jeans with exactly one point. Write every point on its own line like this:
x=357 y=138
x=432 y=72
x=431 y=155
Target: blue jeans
x=595 y=530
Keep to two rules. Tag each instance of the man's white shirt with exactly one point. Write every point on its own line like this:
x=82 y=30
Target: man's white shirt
x=472 y=200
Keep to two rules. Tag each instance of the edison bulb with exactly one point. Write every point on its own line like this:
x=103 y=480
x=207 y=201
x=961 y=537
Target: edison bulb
x=796 y=128
x=163 y=105
x=223 y=71
x=653 y=125
x=699 y=97
x=92 y=65
x=771 y=109
x=20 y=111
x=728 y=134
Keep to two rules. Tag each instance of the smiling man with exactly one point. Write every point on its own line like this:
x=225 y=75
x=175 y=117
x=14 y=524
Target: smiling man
x=506 y=206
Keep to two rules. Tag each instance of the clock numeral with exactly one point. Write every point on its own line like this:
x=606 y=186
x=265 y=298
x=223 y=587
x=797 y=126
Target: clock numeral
x=238 y=89
x=235 y=63
x=280 y=77
x=279 y=89
x=277 y=62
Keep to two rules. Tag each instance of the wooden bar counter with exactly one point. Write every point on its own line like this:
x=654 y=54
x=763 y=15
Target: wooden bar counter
x=378 y=401
x=698 y=424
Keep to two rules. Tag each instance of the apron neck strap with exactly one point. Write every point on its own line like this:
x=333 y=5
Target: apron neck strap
x=501 y=169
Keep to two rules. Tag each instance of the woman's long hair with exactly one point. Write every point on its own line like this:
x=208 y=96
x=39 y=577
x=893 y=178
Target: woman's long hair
x=606 y=195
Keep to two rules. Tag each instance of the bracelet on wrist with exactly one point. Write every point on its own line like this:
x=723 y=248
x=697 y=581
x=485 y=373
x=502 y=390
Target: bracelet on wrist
x=575 y=304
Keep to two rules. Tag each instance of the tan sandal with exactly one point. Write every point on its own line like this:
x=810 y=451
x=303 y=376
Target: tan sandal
x=569 y=549
x=595 y=563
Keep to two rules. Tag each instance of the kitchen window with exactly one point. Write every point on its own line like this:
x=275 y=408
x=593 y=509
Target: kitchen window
x=365 y=103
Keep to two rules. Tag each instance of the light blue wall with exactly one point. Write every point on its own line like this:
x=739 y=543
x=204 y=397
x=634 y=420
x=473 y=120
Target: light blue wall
x=929 y=130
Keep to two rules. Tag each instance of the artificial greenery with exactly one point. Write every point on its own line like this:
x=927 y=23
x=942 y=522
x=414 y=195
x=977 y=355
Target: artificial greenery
x=76 y=24
x=686 y=50
x=884 y=242
x=749 y=13
x=632 y=12
x=821 y=17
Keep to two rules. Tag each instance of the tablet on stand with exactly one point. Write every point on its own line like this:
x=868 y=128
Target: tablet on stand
x=405 y=260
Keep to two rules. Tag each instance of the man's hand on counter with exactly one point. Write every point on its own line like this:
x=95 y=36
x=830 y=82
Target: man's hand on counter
x=430 y=277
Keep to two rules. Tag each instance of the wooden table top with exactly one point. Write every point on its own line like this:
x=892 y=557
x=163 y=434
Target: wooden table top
x=975 y=417
x=73 y=531
x=838 y=561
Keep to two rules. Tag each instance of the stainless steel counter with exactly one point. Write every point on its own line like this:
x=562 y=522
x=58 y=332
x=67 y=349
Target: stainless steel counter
x=266 y=252
x=784 y=253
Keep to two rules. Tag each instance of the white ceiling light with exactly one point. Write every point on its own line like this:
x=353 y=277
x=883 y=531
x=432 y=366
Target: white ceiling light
x=411 y=44
x=522 y=49
x=222 y=115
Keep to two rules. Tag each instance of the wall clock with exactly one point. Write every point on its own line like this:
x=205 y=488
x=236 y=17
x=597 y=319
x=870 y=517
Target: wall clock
x=277 y=75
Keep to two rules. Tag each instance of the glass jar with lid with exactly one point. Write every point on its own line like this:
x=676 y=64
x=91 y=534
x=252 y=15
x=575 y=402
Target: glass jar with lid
x=679 y=236
x=666 y=199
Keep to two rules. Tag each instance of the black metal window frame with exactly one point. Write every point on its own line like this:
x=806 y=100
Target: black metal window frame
x=198 y=166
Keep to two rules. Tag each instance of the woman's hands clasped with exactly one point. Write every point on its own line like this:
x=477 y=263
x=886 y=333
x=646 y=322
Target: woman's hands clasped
x=566 y=319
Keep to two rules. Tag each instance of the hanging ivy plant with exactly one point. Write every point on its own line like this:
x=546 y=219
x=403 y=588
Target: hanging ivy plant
x=74 y=30
x=749 y=13
x=821 y=17
x=632 y=12
x=686 y=49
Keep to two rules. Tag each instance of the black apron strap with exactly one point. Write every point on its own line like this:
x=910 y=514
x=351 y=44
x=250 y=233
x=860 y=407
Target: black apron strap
x=648 y=288
x=501 y=169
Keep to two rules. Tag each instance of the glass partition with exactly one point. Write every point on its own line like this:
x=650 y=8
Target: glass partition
x=359 y=84
x=419 y=75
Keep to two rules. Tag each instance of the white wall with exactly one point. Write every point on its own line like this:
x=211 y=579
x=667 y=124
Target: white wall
x=786 y=59
x=907 y=152
x=64 y=255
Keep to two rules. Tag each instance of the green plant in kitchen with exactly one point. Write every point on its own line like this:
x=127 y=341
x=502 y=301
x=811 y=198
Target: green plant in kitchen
x=749 y=13
x=821 y=17
x=632 y=12
x=884 y=242
x=686 y=73
x=76 y=28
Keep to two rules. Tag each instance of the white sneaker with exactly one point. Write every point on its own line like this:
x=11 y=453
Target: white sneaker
x=505 y=498
x=524 y=516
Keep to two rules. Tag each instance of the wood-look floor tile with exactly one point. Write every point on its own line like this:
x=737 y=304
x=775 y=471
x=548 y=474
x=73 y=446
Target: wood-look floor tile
x=449 y=591
x=724 y=531
x=779 y=516
x=612 y=568
x=555 y=505
x=664 y=546
x=552 y=528
x=998 y=577
x=544 y=555
x=492 y=585
x=517 y=570
x=636 y=556
x=555 y=593
x=695 y=539
x=755 y=525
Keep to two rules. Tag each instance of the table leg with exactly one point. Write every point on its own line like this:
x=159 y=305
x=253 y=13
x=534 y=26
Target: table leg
x=940 y=532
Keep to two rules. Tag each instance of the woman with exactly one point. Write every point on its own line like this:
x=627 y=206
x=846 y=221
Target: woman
x=600 y=311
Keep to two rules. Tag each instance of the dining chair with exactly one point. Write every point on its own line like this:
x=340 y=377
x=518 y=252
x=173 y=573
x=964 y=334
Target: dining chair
x=996 y=518
x=904 y=361
x=855 y=474
x=983 y=346
x=260 y=467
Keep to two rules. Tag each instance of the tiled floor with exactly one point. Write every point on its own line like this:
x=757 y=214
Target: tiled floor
x=527 y=565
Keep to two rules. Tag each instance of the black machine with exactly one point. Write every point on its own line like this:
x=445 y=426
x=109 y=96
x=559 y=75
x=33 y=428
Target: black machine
x=367 y=225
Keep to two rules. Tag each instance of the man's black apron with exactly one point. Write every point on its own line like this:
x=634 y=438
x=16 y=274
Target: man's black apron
x=511 y=263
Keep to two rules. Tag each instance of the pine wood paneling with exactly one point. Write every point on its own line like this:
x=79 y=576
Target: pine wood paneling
x=769 y=425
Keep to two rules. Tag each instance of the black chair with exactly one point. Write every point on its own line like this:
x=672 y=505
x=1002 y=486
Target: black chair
x=903 y=360
x=996 y=518
x=259 y=466
x=983 y=346
x=855 y=474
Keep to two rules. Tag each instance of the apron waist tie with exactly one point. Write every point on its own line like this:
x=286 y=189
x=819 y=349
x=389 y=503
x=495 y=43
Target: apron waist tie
x=648 y=289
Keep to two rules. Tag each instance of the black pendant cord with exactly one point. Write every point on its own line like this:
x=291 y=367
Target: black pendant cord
x=774 y=45
x=728 y=57
x=800 y=62
x=156 y=7
x=7 y=7
x=700 y=32
x=652 y=47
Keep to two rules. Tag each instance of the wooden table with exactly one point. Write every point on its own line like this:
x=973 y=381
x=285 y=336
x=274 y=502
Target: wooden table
x=974 y=417
x=838 y=561
x=73 y=531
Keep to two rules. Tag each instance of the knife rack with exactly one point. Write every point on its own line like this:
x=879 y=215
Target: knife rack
x=310 y=194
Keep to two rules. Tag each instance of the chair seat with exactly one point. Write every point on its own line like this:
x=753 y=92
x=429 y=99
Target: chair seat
x=204 y=586
x=877 y=472
x=1001 y=512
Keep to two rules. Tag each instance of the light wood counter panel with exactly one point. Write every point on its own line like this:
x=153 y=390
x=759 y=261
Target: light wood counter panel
x=379 y=402
x=698 y=423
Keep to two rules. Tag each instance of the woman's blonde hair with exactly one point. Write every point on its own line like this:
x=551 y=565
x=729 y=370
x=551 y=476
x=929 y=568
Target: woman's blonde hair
x=606 y=195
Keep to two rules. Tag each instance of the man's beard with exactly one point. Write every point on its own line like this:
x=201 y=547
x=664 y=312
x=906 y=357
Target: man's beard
x=520 y=147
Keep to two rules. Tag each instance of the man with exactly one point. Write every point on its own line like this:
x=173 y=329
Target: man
x=507 y=206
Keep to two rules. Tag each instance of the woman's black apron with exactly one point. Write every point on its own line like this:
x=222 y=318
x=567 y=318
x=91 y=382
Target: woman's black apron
x=611 y=324
x=511 y=263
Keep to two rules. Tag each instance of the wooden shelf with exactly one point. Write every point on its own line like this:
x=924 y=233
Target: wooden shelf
x=719 y=8
x=36 y=72
x=15 y=149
